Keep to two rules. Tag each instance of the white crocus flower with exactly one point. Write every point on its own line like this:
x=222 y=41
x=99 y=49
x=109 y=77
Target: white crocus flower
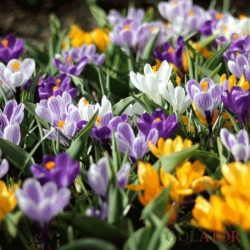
x=177 y=97
x=134 y=110
x=87 y=111
x=16 y=73
x=151 y=82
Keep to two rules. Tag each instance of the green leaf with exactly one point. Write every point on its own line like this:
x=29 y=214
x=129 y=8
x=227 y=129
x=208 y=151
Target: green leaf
x=94 y=227
x=210 y=159
x=190 y=64
x=98 y=14
x=15 y=154
x=78 y=144
x=11 y=222
x=158 y=205
x=115 y=199
x=89 y=243
x=120 y=106
x=170 y=162
x=214 y=60
x=141 y=239
x=206 y=41
x=148 y=50
x=54 y=24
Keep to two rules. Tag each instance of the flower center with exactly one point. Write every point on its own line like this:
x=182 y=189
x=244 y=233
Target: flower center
x=218 y=16
x=15 y=66
x=127 y=27
x=58 y=81
x=85 y=102
x=191 y=13
x=170 y=50
x=60 y=124
x=69 y=59
x=55 y=88
x=204 y=85
x=158 y=119
x=50 y=165
x=5 y=42
x=98 y=119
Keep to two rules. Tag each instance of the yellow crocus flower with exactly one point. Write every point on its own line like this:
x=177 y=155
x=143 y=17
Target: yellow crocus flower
x=237 y=211
x=169 y=146
x=236 y=180
x=189 y=180
x=209 y=214
x=149 y=183
x=232 y=81
x=7 y=199
x=79 y=37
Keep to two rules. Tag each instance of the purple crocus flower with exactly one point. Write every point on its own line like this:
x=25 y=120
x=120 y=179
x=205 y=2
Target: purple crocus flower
x=238 y=145
x=4 y=166
x=74 y=61
x=61 y=113
x=165 y=125
x=60 y=169
x=11 y=48
x=10 y=120
x=183 y=15
x=206 y=96
x=114 y=16
x=107 y=125
x=70 y=63
x=137 y=146
x=240 y=66
x=130 y=34
x=101 y=212
x=53 y=86
x=171 y=55
x=238 y=47
x=42 y=203
x=98 y=176
x=237 y=101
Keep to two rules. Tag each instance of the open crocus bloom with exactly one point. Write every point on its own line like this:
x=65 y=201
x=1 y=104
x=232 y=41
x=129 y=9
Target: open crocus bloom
x=16 y=73
x=42 y=203
x=206 y=96
x=238 y=145
x=151 y=83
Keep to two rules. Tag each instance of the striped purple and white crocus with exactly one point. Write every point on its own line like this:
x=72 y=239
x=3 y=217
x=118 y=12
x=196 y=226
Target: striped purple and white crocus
x=206 y=96
x=62 y=114
x=10 y=120
x=238 y=144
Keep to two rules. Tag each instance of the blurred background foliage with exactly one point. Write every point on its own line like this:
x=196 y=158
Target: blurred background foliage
x=30 y=18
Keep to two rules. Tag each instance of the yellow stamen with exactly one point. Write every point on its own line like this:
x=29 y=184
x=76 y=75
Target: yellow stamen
x=5 y=42
x=127 y=27
x=236 y=36
x=69 y=59
x=50 y=165
x=191 y=13
x=242 y=17
x=58 y=81
x=178 y=80
x=204 y=85
x=158 y=119
x=218 y=16
x=55 y=88
x=60 y=124
x=153 y=29
x=15 y=66
x=170 y=50
x=85 y=102
x=98 y=119
x=225 y=28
